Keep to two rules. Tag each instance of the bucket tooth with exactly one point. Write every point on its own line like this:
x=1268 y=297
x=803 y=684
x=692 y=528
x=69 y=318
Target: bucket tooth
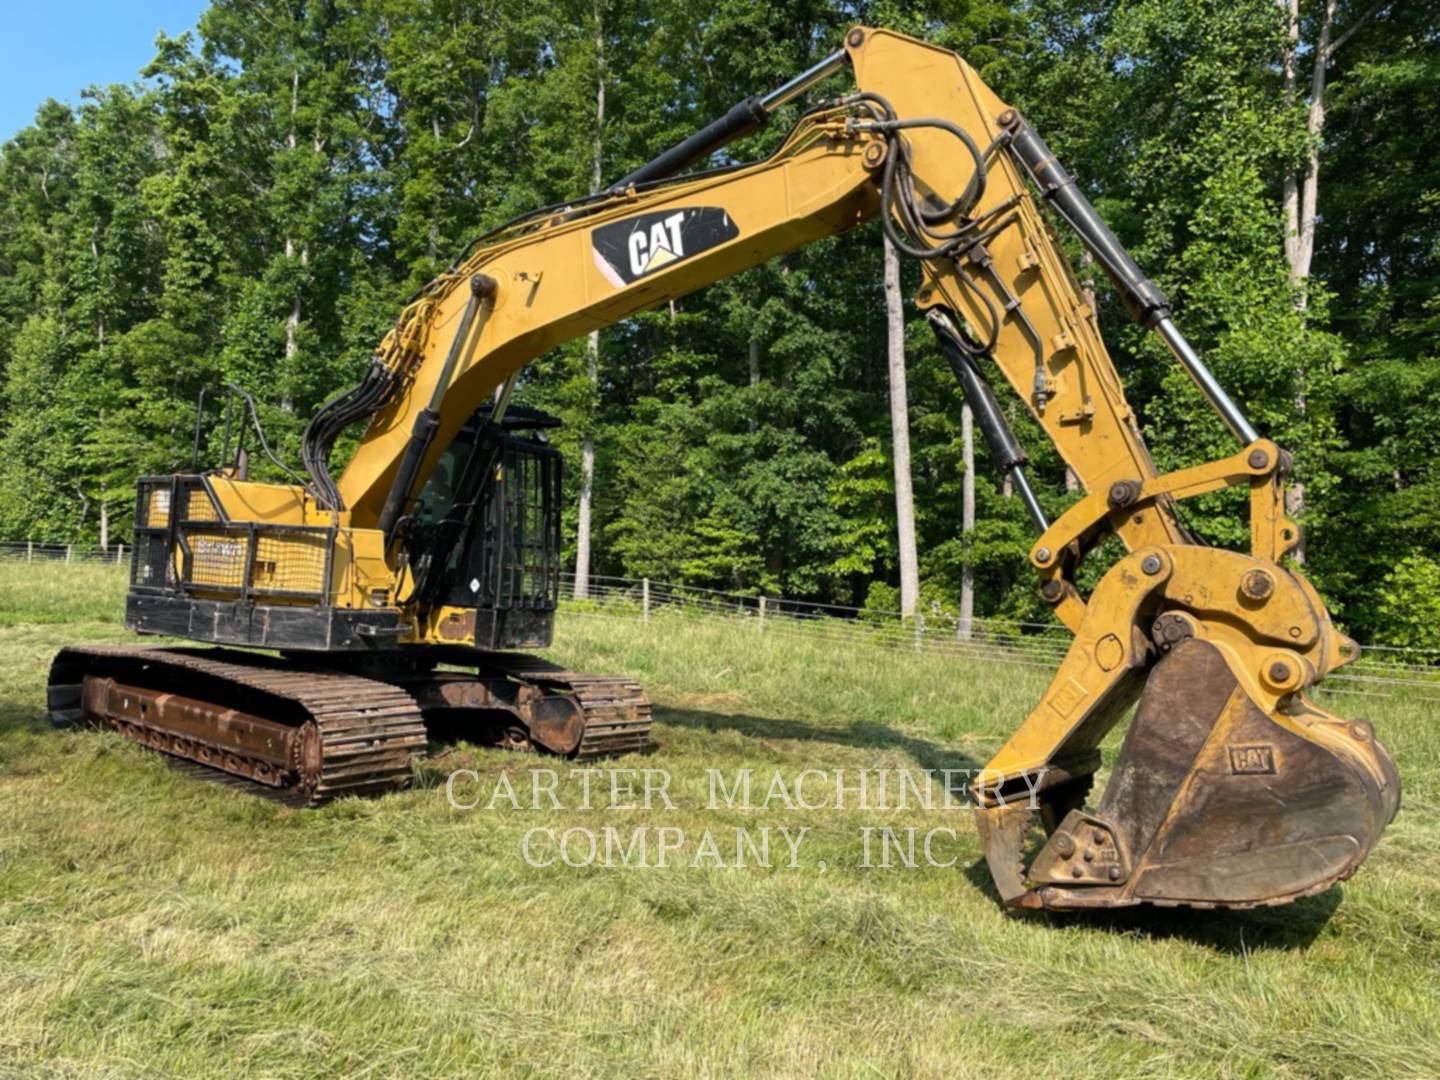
x=1003 y=830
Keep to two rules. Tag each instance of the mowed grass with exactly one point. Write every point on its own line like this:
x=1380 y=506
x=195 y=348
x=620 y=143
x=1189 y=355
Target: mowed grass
x=151 y=923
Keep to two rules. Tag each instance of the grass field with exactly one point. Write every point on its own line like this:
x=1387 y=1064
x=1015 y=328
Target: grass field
x=155 y=924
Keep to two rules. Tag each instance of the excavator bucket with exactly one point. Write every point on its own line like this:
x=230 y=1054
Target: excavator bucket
x=1213 y=800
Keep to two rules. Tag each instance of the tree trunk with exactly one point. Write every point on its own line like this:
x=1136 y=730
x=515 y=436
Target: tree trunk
x=95 y=254
x=1290 y=184
x=1302 y=252
x=587 y=445
x=432 y=239
x=1300 y=194
x=900 y=434
x=754 y=361
x=1301 y=190
x=587 y=484
x=292 y=321
x=967 y=522
x=292 y=332
x=104 y=524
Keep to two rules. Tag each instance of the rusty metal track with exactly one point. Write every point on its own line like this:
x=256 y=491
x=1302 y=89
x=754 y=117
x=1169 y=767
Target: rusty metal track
x=616 y=709
x=305 y=737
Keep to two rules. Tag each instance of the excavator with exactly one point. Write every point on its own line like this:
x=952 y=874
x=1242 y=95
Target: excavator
x=342 y=618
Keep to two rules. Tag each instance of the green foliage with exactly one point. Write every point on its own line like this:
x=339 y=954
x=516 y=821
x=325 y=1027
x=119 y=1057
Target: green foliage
x=256 y=208
x=863 y=494
x=1408 y=603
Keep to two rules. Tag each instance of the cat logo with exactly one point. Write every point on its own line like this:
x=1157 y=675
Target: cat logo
x=665 y=244
x=626 y=251
x=1258 y=760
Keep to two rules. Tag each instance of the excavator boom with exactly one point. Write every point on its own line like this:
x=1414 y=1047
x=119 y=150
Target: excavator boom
x=440 y=539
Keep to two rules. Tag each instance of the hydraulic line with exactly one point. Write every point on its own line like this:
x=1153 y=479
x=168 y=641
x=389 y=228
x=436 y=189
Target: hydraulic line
x=1005 y=450
x=427 y=421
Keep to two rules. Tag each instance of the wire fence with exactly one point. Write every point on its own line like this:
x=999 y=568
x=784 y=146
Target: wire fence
x=36 y=551
x=1382 y=670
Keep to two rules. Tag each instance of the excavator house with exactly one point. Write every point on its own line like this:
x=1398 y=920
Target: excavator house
x=340 y=616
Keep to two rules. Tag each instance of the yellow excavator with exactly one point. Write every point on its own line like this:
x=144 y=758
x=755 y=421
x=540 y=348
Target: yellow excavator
x=439 y=543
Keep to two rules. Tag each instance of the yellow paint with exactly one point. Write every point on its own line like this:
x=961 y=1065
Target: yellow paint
x=552 y=289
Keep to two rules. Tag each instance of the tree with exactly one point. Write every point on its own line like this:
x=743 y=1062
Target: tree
x=1302 y=178
x=299 y=72
x=592 y=352
x=900 y=432
x=257 y=209
x=1378 y=261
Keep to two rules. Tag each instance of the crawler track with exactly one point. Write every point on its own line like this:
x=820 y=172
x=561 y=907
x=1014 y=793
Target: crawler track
x=616 y=709
x=303 y=737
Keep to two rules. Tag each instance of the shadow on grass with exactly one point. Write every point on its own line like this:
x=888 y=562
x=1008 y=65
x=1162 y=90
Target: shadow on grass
x=862 y=735
x=456 y=748
x=18 y=716
x=1236 y=933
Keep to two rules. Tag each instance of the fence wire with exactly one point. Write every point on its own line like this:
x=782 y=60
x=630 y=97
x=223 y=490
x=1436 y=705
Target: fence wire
x=1382 y=671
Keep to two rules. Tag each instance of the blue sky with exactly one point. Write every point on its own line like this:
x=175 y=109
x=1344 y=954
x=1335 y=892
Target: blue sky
x=58 y=51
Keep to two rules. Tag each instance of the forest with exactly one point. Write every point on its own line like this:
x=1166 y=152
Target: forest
x=256 y=205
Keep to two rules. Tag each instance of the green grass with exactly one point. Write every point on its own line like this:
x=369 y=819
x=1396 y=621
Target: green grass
x=48 y=592
x=154 y=924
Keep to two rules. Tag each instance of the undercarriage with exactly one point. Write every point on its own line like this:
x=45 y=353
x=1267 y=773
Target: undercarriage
x=307 y=732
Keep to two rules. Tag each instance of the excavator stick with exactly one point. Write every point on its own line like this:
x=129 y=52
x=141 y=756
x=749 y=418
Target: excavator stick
x=1231 y=788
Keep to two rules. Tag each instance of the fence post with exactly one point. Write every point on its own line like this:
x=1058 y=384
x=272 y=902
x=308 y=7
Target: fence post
x=919 y=632
x=645 y=599
x=67 y=552
x=120 y=553
x=29 y=550
x=761 y=624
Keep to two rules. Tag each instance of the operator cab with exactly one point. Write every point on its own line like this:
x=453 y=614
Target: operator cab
x=499 y=557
